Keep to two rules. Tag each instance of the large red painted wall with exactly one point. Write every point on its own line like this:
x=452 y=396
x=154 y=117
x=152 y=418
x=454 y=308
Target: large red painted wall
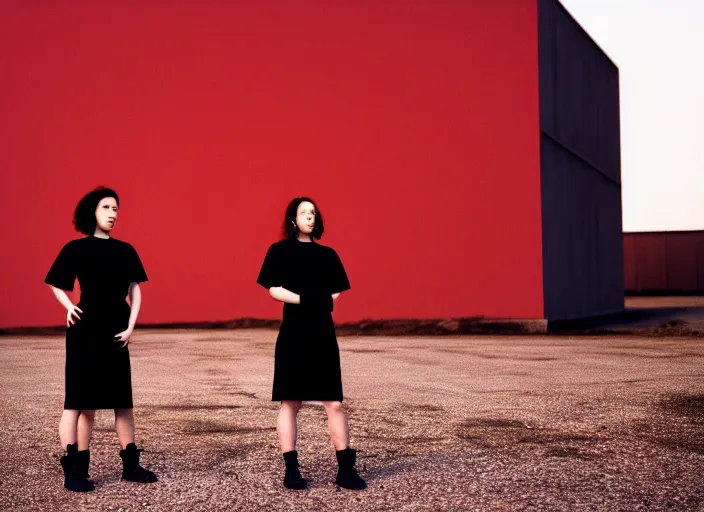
x=414 y=125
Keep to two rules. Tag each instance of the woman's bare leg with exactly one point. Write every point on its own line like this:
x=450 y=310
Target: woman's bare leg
x=85 y=429
x=68 y=427
x=337 y=421
x=124 y=425
x=286 y=425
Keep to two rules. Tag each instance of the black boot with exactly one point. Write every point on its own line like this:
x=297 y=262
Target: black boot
x=82 y=463
x=293 y=478
x=75 y=465
x=131 y=470
x=347 y=476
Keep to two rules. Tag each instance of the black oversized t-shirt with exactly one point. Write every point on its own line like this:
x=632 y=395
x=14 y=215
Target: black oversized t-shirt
x=105 y=267
x=303 y=267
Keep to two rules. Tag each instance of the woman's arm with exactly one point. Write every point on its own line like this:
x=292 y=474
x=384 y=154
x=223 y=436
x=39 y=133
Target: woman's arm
x=135 y=294
x=283 y=295
x=66 y=303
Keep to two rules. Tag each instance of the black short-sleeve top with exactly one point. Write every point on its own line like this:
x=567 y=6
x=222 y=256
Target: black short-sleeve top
x=303 y=267
x=104 y=267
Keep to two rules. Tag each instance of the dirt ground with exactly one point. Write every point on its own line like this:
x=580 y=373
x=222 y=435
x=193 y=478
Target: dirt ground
x=440 y=423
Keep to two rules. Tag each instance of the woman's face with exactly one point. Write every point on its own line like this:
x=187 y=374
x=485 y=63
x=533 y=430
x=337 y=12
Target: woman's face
x=305 y=217
x=106 y=214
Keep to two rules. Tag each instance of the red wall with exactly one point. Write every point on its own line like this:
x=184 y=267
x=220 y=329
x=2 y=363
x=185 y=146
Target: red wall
x=414 y=125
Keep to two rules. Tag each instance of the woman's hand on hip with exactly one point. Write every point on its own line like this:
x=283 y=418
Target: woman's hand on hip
x=73 y=312
x=124 y=337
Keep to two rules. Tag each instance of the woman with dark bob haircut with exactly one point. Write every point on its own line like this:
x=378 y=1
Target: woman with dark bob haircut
x=308 y=278
x=97 y=369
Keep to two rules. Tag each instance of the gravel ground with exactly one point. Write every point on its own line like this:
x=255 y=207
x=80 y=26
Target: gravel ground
x=440 y=423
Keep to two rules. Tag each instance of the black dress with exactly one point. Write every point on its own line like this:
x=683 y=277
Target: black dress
x=307 y=358
x=98 y=374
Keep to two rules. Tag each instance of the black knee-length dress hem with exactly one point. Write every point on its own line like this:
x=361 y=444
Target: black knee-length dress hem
x=307 y=357
x=97 y=372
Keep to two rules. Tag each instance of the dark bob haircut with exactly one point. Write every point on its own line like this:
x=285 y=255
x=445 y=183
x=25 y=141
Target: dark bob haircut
x=84 y=216
x=290 y=229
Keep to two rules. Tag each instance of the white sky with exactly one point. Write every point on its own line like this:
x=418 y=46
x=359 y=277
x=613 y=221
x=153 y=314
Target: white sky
x=658 y=46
